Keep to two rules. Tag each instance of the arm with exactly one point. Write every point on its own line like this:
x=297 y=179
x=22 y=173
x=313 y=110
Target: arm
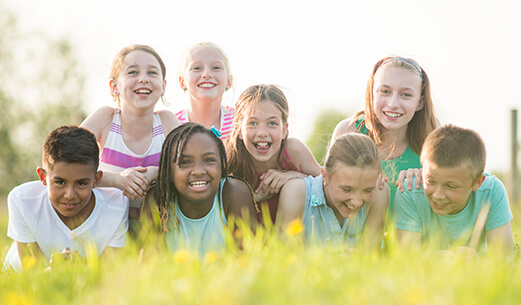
x=345 y=126
x=302 y=157
x=373 y=232
x=292 y=201
x=409 y=239
x=501 y=238
x=238 y=201
x=30 y=252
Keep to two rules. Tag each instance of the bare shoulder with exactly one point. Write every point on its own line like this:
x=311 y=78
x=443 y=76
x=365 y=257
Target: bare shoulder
x=292 y=200
x=168 y=120
x=237 y=194
x=345 y=126
x=380 y=200
x=99 y=120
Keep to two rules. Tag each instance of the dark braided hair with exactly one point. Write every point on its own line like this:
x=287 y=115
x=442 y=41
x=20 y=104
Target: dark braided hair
x=171 y=152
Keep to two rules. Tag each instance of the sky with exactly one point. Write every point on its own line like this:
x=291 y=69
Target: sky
x=320 y=52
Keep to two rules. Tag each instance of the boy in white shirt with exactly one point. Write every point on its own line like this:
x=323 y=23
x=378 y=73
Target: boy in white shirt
x=64 y=210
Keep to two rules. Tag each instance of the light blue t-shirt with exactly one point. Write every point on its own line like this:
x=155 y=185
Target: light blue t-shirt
x=412 y=212
x=320 y=222
x=200 y=235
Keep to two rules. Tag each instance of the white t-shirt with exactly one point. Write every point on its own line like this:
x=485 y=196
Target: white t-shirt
x=32 y=218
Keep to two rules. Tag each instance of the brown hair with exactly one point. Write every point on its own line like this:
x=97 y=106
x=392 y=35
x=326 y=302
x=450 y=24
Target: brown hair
x=352 y=149
x=239 y=160
x=452 y=146
x=423 y=121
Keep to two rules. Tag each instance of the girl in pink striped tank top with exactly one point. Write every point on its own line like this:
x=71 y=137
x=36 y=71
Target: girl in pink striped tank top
x=260 y=150
x=204 y=73
x=130 y=136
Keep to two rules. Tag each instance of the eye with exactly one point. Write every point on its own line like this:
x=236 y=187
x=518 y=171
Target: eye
x=407 y=94
x=368 y=191
x=59 y=182
x=384 y=92
x=252 y=123
x=184 y=163
x=347 y=189
x=452 y=187
x=196 y=68
x=210 y=160
x=132 y=72
x=82 y=183
x=153 y=73
x=273 y=123
x=217 y=68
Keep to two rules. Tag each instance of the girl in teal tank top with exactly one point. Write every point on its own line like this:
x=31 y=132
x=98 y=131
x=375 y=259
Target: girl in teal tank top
x=193 y=195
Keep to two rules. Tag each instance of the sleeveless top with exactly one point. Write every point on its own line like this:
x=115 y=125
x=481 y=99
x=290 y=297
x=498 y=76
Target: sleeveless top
x=116 y=156
x=392 y=168
x=320 y=223
x=200 y=235
x=273 y=202
x=227 y=115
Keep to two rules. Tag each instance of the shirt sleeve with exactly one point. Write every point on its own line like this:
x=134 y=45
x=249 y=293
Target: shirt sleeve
x=17 y=228
x=406 y=216
x=500 y=213
x=119 y=239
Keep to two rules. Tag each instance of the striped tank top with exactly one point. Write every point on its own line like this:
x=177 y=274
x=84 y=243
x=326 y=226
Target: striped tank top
x=227 y=114
x=116 y=156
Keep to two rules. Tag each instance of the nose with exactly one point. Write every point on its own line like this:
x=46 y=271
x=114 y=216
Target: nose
x=394 y=101
x=207 y=73
x=438 y=193
x=262 y=131
x=356 y=200
x=143 y=78
x=198 y=169
x=69 y=192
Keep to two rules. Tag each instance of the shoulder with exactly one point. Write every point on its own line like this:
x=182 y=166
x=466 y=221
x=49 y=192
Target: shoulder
x=111 y=198
x=27 y=193
x=345 y=126
x=237 y=196
x=99 y=119
x=168 y=120
x=227 y=110
x=235 y=187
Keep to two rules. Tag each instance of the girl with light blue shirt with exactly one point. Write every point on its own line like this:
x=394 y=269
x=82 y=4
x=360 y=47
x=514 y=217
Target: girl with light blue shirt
x=342 y=206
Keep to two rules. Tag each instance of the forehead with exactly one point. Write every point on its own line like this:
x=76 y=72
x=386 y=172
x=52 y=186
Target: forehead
x=70 y=171
x=263 y=108
x=199 y=144
x=205 y=53
x=139 y=57
x=354 y=176
x=397 y=77
x=460 y=174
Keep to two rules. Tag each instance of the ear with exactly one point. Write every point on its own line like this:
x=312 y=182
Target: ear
x=41 y=175
x=230 y=81
x=324 y=175
x=182 y=82
x=421 y=103
x=113 y=84
x=164 y=87
x=285 y=131
x=97 y=178
x=479 y=182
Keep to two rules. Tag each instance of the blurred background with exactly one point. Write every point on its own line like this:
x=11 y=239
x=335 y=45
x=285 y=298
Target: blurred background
x=55 y=57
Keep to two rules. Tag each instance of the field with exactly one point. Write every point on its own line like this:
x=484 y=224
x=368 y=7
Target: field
x=271 y=271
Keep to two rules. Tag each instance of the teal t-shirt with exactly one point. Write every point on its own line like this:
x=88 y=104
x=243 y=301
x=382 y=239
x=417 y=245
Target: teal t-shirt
x=392 y=168
x=412 y=212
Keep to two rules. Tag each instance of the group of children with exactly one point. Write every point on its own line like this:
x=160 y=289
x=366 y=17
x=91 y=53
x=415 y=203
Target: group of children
x=196 y=169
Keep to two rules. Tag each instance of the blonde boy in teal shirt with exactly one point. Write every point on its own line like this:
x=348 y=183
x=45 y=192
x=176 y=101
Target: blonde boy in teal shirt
x=444 y=211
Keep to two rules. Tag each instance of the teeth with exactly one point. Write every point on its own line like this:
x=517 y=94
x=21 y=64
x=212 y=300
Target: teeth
x=206 y=85
x=143 y=91
x=351 y=207
x=199 y=184
x=392 y=114
x=262 y=144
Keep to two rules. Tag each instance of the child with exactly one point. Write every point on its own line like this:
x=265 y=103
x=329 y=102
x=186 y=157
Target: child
x=131 y=134
x=65 y=209
x=205 y=74
x=344 y=204
x=398 y=115
x=454 y=191
x=194 y=195
x=259 y=149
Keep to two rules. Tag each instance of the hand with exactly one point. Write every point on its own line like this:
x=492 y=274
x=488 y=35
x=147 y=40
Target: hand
x=134 y=182
x=64 y=257
x=382 y=180
x=272 y=181
x=409 y=174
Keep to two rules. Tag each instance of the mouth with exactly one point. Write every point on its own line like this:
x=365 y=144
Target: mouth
x=69 y=206
x=262 y=146
x=392 y=114
x=198 y=185
x=440 y=204
x=143 y=91
x=351 y=207
x=206 y=85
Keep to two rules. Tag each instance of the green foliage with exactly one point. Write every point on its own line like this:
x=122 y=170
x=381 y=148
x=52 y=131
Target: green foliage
x=325 y=124
x=42 y=89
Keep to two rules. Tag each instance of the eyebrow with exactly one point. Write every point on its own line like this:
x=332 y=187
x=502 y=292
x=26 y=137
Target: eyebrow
x=149 y=66
x=60 y=178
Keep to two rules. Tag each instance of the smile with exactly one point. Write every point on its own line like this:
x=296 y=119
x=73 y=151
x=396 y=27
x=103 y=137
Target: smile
x=143 y=91
x=207 y=85
x=198 y=184
x=392 y=114
x=351 y=207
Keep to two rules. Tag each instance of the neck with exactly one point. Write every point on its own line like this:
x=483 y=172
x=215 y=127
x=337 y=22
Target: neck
x=394 y=143
x=206 y=113
x=195 y=209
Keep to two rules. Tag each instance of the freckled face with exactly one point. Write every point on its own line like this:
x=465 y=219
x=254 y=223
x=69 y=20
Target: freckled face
x=397 y=96
x=349 y=188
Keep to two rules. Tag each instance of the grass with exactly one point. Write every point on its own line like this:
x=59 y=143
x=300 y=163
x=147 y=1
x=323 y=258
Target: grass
x=270 y=271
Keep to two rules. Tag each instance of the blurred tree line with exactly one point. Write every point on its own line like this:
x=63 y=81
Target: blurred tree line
x=41 y=88
x=323 y=128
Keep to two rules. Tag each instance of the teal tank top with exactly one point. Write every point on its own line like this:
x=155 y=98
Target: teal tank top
x=392 y=168
x=320 y=223
x=200 y=235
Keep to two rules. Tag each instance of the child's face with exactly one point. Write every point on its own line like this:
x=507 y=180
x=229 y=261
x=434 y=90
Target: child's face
x=397 y=96
x=348 y=188
x=448 y=188
x=140 y=83
x=262 y=132
x=198 y=172
x=206 y=77
x=70 y=188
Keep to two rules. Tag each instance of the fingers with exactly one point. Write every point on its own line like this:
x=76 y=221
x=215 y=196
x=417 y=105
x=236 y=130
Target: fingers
x=134 y=182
